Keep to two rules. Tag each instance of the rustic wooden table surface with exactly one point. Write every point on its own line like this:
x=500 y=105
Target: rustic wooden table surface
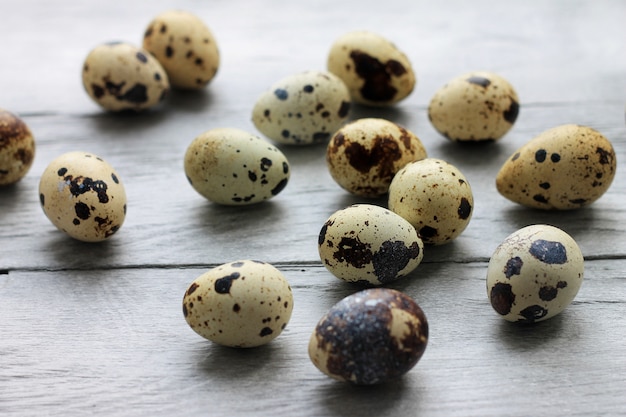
x=98 y=328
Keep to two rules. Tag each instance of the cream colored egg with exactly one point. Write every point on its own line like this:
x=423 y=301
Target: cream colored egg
x=369 y=244
x=17 y=148
x=370 y=337
x=233 y=167
x=376 y=72
x=82 y=195
x=239 y=304
x=474 y=107
x=119 y=76
x=303 y=108
x=435 y=197
x=364 y=155
x=534 y=274
x=185 y=46
x=563 y=168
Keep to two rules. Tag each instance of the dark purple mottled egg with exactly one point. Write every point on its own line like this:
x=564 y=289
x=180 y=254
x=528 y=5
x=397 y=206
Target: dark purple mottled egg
x=370 y=337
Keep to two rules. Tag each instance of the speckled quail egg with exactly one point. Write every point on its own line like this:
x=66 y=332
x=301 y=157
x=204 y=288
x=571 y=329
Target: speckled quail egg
x=303 y=108
x=83 y=196
x=477 y=106
x=119 y=76
x=239 y=304
x=233 y=167
x=435 y=197
x=185 y=46
x=563 y=168
x=534 y=274
x=364 y=155
x=370 y=337
x=376 y=72
x=17 y=148
x=369 y=244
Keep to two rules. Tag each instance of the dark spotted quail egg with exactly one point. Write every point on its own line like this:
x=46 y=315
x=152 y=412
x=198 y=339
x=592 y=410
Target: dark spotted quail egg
x=370 y=337
x=185 y=46
x=534 y=274
x=478 y=106
x=435 y=197
x=302 y=109
x=17 y=148
x=239 y=304
x=119 y=76
x=369 y=244
x=566 y=167
x=376 y=72
x=83 y=196
x=364 y=155
x=233 y=167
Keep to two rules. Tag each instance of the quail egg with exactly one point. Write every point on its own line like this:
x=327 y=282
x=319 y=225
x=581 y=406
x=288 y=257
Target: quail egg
x=302 y=109
x=534 y=274
x=233 y=167
x=242 y=304
x=82 y=195
x=376 y=72
x=563 y=168
x=435 y=197
x=369 y=244
x=364 y=155
x=185 y=47
x=17 y=148
x=119 y=76
x=477 y=106
x=370 y=337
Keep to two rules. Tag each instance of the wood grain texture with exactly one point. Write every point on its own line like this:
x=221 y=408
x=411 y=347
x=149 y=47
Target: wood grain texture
x=98 y=328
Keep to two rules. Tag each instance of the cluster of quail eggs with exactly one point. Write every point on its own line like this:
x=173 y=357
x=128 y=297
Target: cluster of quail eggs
x=376 y=334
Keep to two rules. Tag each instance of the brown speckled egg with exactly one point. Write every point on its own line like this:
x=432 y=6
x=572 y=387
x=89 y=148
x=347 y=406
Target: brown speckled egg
x=17 y=148
x=369 y=244
x=435 y=197
x=563 y=168
x=534 y=274
x=303 y=108
x=370 y=337
x=364 y=155
x=185 y=46
x=83 y=196
x=376 y=72
x=239 y=304
x=477 y=106
x=119 y=76
x=233 y=167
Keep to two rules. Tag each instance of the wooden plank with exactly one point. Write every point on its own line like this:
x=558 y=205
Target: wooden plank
x=115 y=342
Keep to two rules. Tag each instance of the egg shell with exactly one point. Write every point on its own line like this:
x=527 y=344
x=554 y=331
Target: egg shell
x=185 y=47
x=534 y=274
x=364 y=155
x=17 y=148
x=242 y=304
x=563 y=168
x=369 y=244
x=82 y=195
x=435 y=197
x=119 y=76
x=474 y=107
x=376 y=72
x=370 y=337
x=233 y=167
x=303 y=108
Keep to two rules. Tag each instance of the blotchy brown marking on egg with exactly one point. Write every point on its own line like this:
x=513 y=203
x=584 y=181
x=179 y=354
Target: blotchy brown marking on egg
x=481 y=81
x=222 y=285
x=344 y=109
x=383 y=153
x=502 y=298
x=465 y=209
x=606 y=157
x=427 y=232
x=513 y=267
x=548 y=293
x=266 y=331
x=533 y=313
x=354 y=252
x=11 y=129
x=391 y=258
x=510 y=114
x=548 y=252
x=376 y=75
x=322 y=236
